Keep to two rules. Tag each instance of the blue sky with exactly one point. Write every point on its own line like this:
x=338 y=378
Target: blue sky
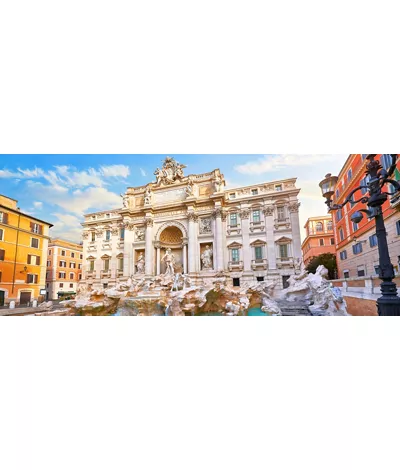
x=61 y=188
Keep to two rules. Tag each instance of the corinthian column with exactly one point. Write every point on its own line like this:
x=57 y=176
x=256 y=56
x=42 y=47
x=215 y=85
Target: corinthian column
x=219 y=265
x=269 y=228
x=295 y=222
x=192 y=242
x=245 y=225
x=149 y=247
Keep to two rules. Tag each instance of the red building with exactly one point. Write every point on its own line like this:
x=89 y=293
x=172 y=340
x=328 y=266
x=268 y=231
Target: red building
x=357 y=248
x=320 y=238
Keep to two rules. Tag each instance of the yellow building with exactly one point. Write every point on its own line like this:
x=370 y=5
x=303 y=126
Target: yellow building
x=24 y=242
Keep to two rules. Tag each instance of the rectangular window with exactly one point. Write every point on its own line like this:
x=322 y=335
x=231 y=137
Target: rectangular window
x=80 y=256
x=260 y=279
x=61 y=284
x=343 y=255
x=339 y=215
x=332 y=241
x=32 y=279
x=121 y=264
x=61 y=276
x=79 y=266
x=49 y=252
x=281 y=213
x=283 y=251
x=349 y=175
x=373 y=240
x=80 y=277
x=62 y=252
x=36 y=228
x=48 y=264
x=34 y=243
x=1 y=234
x=71 y=275
x=341 y=234
x=93 y=235
x=233 y=220
x=321 y=242
x=3 y=217
x=357 y=248
x=256 y=217
x=376 y=267
x=258 y=252
x=2 y=255
x=232 y=196
x=122 y=234
x=346 y=274
x=108 y=235
x=106 y=264
x=91 y=266
x=71 y=286
x=278 y=187
x=355 y=227
x=72 y=254
x=72 y=265
x=254 y=192
x=63 y=264
x=360 y=271
x=35 y=260
x=235 y=255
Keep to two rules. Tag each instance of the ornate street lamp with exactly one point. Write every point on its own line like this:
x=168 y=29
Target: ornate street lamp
x=374 y=197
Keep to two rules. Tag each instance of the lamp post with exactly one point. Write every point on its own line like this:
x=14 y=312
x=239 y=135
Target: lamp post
x=374 y=197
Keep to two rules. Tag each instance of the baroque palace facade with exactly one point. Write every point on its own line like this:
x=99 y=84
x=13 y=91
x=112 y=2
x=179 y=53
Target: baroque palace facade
x=249 y=233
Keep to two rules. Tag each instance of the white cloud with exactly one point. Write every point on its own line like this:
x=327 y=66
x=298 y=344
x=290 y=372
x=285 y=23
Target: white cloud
x=271 y=163
x=143 y=173
x=115 y=171
x=38 y=204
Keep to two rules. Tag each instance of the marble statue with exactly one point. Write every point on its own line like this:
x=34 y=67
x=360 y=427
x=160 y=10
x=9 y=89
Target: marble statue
x=218 y=184
x=139 y=232
x=147 y=197
x=140 y=265
x=169 y=260
x=206 y=258
x=125 y=200
x=170 y=172
x=189 y=189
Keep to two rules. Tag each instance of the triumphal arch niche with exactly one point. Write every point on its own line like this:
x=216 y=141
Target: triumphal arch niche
x=192 y=224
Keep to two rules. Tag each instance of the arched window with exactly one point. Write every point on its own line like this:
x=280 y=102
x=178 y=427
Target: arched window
x=329 y=225
x=319 y=227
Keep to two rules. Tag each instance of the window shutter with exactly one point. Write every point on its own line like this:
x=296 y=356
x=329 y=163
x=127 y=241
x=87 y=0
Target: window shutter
x=5 y=218
x=41 y=229
x=38 y=260
x=31 y=224
x=29 y=259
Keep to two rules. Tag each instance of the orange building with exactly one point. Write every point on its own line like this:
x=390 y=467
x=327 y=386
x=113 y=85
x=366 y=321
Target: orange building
x=357 y=245
x=23 y=248
x=320 y=238
x=64 y=268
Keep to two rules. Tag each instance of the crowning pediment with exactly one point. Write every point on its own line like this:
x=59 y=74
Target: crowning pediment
x=235 y=245
x=283 y=240
x=258 y=242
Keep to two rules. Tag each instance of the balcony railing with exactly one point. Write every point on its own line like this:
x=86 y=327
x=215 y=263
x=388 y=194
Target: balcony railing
x=283 y=222
x=120 y=272
x=257 y=226
x=105 y=273
x=235 y=265
x=287 y=262
x=234 y=229
x=261 y=263
x=90 y=274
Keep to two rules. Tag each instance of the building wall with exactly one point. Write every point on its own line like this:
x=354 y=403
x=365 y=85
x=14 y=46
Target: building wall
x=267 y=216
x=311 y=246
x=368 y=258
x=68 y=252
x=19 y=261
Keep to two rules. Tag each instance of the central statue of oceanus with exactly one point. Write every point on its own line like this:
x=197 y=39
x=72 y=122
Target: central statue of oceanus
x=169 y=260
x=170 y=172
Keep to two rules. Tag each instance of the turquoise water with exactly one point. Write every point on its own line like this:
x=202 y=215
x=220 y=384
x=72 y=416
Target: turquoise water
x=257 y=312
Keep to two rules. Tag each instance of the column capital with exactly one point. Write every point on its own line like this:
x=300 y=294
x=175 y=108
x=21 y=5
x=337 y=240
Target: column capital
x=219 y=213
x=192 y=216
x=157 y=245
x=149 y=221
x=245 y=214
x=294 y=207
x=268 y=211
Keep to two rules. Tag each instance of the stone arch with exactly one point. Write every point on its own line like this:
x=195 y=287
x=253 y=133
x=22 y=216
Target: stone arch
x=175 y=224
